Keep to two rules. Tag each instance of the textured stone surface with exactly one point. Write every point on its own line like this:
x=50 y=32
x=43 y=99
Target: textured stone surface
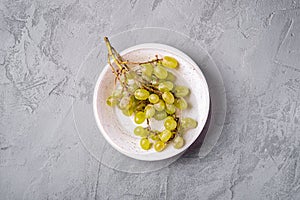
x=256 y=45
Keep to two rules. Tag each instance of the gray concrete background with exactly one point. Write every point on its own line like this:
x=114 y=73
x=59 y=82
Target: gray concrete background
x=256 y=45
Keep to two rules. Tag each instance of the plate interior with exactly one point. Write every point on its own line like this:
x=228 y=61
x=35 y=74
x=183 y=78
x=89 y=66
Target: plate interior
x=118 y=129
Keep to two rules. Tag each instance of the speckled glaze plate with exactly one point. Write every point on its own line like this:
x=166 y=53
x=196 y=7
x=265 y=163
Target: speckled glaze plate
x=117 y=129
x=93 y=65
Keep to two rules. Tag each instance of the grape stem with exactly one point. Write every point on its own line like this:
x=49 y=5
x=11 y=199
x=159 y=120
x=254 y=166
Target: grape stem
x=148 y=124
x=151 y=89
x=123 y=68
x=112 y=53
x=141 y=63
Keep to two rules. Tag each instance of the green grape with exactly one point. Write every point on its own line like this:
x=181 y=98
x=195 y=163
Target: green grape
x=132 y=101
x=165 y=86
x=139 y=117
x=169 y=62
x=188 y=123
x=170 y=109
x=160 y=105
x=159 y=146
x=153 y=98
x=161 y=80
x=147 y=69
x=181 y=91
x=149 y=111
x=170 y=123
x=146 y=133
x=145 y=144
x=154 y=137
x=133 y=87
x=178 y=142
x=130 y=75
x=125 y=93
x=139 y=131
x=180 y=103
x=168 y=97
x=128 y=112
x=160 y=72
x=155 y=80
x=171 y=77
x=125 y=103
x=165 y=135
x=160 y=115
x=117 y=93
x=141 y=94
x=111 y=101
x=147 y=78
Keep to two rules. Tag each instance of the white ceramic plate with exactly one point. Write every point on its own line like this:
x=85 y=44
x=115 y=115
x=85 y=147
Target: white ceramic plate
x=117 y=129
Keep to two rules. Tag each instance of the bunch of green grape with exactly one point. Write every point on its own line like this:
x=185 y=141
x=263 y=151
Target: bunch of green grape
x=148 y=92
